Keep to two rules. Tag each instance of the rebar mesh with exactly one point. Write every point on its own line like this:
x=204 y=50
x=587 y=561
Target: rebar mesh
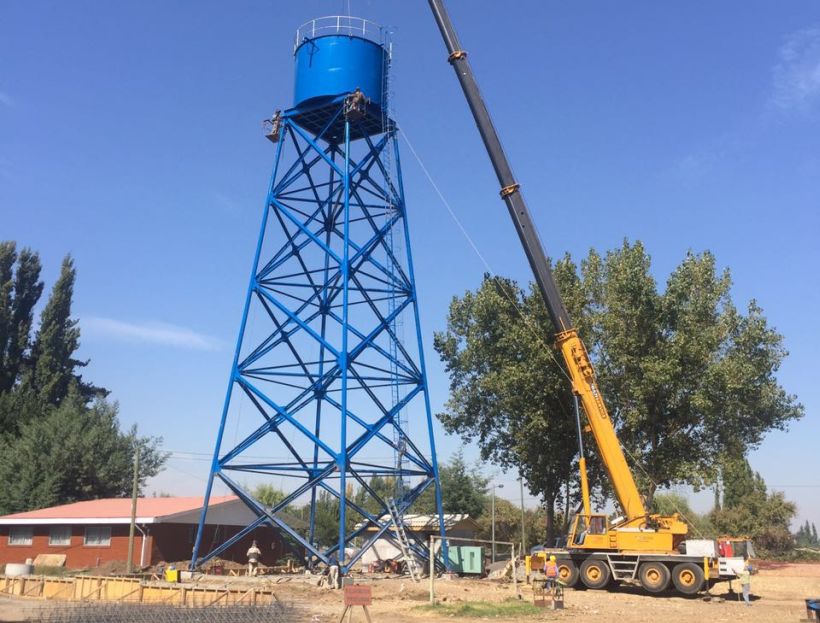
x=148 y=613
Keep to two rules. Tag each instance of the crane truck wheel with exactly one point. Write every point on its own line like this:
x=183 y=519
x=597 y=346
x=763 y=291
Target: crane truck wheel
x=687 y=577
x=654 y=577
x=594 y=573
x=567 y=573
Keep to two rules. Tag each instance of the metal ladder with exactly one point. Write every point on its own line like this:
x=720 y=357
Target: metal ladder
x=404 y=543
x=623 y=568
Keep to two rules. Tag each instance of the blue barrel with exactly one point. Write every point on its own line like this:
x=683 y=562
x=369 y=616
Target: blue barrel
x=331 y=65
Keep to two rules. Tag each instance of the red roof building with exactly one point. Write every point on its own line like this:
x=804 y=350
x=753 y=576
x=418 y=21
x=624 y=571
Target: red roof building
x=93 y=533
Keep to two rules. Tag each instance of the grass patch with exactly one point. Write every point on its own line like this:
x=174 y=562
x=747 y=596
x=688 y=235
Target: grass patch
x=483 y=609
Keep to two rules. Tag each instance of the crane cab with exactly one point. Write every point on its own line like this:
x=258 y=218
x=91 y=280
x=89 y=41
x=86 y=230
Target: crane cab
x=595 y=532
x=589 y=532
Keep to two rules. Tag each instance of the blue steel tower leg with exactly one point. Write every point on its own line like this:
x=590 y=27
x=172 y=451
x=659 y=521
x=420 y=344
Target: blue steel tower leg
x=326 y=382
x=341 y=463
x=428 y=410
x=229 y=393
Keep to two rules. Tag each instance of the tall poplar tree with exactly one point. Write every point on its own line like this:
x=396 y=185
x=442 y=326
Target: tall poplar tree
x=56 y=445
x=20 y=289
x=508 y=390
x=54 y=366
x=687 y=377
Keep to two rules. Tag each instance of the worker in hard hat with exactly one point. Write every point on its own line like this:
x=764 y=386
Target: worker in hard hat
x=550 y=572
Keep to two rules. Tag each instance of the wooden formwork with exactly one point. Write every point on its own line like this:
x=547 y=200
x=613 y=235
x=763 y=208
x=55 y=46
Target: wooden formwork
x=87 y=588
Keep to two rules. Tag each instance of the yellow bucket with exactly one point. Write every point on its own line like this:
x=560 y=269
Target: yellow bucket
x=172 y=575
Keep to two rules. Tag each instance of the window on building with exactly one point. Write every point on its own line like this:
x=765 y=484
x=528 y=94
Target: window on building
x=59 y=535
x=97 y=536
x=21 y=535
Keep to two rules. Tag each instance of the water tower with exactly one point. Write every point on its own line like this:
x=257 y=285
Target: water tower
x=327 y=401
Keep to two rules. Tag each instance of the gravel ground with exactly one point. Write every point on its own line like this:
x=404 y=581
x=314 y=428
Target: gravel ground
x=778 y=592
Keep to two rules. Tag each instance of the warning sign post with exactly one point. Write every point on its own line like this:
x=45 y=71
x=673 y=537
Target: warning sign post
x=357 y=595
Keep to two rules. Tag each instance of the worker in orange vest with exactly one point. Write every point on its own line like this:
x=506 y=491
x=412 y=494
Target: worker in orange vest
x=550 y=572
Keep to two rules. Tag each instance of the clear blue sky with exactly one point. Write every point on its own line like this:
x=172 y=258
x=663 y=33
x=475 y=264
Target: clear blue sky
x=130 y=137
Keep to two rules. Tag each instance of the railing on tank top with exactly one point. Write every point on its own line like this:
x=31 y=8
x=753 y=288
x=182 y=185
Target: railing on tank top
x=340 y=25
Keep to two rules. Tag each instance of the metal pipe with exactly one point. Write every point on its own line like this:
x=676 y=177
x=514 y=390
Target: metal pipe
x=144 y=535
x=134 y=492
x=523 y=516
x=501 y=486
x=493 y=523
x=432 y=572
x=582 y=464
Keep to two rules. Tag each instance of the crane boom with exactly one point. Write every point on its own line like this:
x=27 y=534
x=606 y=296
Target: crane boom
x=572 y=348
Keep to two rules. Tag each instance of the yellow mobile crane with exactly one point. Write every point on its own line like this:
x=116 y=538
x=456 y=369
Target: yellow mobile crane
x=638 y=546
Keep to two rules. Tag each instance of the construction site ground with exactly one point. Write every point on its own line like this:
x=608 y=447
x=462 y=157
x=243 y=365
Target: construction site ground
x=778 y=590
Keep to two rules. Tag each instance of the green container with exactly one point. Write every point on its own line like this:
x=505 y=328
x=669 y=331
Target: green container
x=467 y=559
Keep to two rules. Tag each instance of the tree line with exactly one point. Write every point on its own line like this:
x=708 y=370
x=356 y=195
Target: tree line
x=807 y=536
x=464 y=491
x=60 y=436
x=689 y=378
x=746 y=508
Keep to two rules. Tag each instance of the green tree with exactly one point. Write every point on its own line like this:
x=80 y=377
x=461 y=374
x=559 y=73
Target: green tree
x=669 y=503
x=327 y=519
x=57 y=340
x=20 y=289
x=686 y=376
x=506 y=391
x=72 y=453
x=382 y=486
x=807 y=535
x=749 y=509
x=268 y=495
x=8 y=257
x=508 y=524
x=463 y=489
x=653 y=352
x=16 y=406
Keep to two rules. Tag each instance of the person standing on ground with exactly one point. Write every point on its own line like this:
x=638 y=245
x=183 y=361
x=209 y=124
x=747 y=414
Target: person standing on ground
x=745 y=578
x=253 y=559
x=550 y=572
x=333 y=573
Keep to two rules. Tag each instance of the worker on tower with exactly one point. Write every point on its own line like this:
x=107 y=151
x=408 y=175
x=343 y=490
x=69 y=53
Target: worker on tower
x=254 y=553
x=358 y=98
x=355 y=105
x=273 y=126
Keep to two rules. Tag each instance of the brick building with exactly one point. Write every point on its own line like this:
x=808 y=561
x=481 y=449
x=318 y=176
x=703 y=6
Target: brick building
x=93 y=533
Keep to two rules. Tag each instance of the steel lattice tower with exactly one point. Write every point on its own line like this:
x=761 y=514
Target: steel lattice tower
x=325 y=380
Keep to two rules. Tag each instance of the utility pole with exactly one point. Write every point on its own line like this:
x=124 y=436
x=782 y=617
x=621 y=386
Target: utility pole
x=134 y=492
x=523 y=524
x=492 y=538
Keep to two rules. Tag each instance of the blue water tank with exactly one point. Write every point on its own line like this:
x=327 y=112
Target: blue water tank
x=330 y=65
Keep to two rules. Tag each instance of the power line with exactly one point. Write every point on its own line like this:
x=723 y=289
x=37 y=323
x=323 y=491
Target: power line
x=528 y=322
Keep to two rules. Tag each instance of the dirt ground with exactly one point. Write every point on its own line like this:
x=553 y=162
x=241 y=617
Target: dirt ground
x=778 y=593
